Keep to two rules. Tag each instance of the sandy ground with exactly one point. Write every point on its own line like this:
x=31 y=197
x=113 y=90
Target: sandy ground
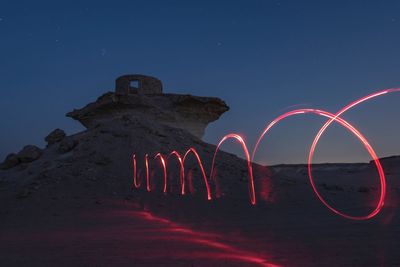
x=57 y=227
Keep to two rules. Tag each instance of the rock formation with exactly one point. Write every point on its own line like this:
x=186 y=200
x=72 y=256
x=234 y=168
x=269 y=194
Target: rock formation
x=118 y=124
x=26 y=155
x=97 y=161
x=191 y=113
x=55 y=136
x=10 y=161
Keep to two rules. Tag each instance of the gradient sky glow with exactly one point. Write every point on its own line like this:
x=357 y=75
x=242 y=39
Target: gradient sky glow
x=261 y=57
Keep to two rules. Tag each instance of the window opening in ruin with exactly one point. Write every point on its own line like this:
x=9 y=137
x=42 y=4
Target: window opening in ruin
x=134 y=84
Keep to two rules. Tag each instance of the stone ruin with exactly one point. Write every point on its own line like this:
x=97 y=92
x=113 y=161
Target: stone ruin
x=137 y=84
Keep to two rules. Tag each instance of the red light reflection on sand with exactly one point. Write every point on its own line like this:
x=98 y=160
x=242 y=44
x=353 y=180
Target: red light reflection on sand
x=219 y=249
x=331 y=118
x=125 y=236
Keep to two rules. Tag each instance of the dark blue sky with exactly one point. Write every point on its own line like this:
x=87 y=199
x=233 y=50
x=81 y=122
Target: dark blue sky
x=261 y=57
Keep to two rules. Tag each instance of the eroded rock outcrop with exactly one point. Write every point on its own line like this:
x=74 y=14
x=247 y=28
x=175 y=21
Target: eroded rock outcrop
x=10 y=161
x=55 y=136
x=67 y=145
x=130 y=114
x=191 y=113
x=29 y=153
x=26 y=155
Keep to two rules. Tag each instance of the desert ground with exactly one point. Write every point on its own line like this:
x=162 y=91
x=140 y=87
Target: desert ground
x=74 y=205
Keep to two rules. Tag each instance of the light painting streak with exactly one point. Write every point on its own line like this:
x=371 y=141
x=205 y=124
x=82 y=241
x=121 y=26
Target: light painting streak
x=146 y=158
x=354 y=131
x=135 y=182
x=331 y=118
x=181 y=169
x=375 y=158
x=239 y=139
x=194 y=152
x=162 y=160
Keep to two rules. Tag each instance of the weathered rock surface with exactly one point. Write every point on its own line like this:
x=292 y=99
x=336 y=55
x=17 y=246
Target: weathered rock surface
x=10 y=161
x=67 y=145
x=191 y=113
x=55 y=136
x=29 y=153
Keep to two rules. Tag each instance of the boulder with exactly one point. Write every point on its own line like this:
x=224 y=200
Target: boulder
x=29 y=153
x=10 y=161
x=55 y=136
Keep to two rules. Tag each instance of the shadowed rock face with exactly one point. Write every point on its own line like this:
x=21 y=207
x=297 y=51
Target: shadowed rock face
x=191 y=113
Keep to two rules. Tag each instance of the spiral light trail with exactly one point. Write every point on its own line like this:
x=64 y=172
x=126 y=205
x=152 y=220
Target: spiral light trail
x=249 y=159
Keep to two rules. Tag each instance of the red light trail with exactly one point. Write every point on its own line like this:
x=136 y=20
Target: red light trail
x=220 y=250
x=249 y=159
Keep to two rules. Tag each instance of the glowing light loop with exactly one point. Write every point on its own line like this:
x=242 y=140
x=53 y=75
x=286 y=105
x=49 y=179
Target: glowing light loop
x=249 y=159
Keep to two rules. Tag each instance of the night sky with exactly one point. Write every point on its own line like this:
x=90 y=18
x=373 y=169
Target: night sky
x=262 y=57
